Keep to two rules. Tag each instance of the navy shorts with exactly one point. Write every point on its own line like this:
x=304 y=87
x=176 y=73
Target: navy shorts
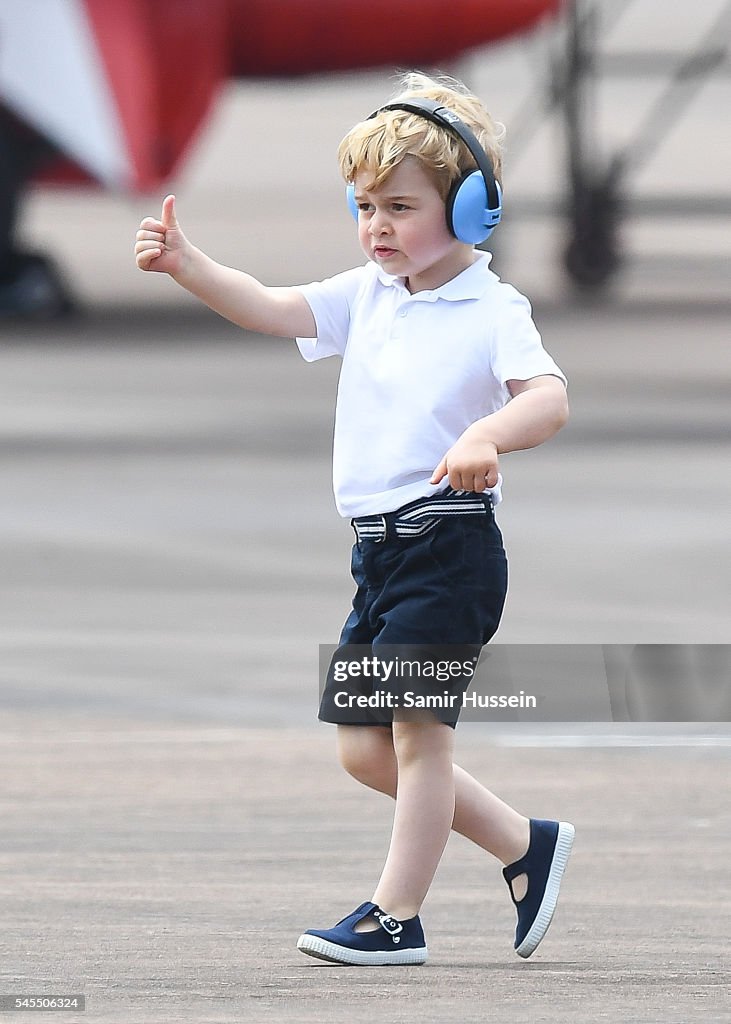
x=440 y=593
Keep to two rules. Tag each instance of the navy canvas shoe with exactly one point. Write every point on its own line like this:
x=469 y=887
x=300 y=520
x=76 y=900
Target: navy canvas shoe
x=544 y=865
x=393 y=942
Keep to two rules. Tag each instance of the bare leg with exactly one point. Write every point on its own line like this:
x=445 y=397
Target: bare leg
x=368 y=753
x=423 y=816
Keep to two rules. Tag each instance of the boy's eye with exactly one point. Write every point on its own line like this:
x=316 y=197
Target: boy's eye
x=366 y=207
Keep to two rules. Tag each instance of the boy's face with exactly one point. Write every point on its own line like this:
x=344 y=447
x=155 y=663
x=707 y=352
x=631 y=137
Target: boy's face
x=402 y=227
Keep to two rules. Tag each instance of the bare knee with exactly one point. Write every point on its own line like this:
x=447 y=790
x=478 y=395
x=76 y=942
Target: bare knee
x=416 y=741
x=366 y=752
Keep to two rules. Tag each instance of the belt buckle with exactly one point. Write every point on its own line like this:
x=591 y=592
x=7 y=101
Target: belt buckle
x=382 y=539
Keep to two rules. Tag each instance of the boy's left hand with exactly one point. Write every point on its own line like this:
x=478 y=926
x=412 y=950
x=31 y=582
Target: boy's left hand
x=471 y=464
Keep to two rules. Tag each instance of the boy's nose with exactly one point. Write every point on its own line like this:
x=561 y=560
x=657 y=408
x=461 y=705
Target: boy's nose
x=379 y=224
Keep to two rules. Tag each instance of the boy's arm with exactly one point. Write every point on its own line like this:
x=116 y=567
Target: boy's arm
x=537 y=410
x=161 y=246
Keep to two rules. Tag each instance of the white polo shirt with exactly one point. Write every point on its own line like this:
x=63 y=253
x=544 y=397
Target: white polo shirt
x=417 y=371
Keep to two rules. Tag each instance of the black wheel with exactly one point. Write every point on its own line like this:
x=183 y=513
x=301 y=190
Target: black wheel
x=32 y=287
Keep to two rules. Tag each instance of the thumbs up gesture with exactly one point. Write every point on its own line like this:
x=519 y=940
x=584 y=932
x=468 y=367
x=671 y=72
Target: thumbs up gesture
x=160 y=244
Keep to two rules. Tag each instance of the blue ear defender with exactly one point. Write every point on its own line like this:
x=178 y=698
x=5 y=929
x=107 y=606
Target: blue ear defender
x=350 y=197
x=475 y=202
x=469 y=217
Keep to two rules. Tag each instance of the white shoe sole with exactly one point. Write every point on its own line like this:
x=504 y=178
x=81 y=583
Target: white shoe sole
x=564 y=842
x=313 y=945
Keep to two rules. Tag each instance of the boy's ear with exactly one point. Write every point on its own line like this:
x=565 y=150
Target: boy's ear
x=350 y=198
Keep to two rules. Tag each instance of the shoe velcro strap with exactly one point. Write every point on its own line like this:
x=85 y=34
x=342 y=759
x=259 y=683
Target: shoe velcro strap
x=511 y=872
x=388 y=923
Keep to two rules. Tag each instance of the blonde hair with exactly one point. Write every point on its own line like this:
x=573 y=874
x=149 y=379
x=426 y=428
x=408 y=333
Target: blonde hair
x=378 y=144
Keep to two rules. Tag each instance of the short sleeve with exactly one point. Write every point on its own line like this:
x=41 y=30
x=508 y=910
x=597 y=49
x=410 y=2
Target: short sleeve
x=517 y=350
x=331 y=302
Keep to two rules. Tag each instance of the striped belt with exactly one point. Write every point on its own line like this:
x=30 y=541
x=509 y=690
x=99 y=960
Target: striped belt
x=417 y=518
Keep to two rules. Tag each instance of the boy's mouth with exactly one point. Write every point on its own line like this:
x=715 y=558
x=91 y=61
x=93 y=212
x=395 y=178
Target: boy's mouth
x=383 y=251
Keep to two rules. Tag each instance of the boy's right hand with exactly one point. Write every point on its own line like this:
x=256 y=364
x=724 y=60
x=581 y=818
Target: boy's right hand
x=161 y=245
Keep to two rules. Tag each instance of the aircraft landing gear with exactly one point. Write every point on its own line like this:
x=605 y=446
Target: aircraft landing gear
x=592 y=255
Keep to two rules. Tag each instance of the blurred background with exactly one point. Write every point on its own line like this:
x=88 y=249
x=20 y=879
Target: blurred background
x=147 y=573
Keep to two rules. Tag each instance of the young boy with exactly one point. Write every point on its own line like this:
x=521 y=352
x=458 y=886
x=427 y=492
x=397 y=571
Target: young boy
x=442 y=372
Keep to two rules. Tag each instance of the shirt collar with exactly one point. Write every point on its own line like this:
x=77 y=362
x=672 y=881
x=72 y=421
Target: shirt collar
x=470 y=284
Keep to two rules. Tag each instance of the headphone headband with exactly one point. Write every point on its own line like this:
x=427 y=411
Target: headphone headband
x=445 y=118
